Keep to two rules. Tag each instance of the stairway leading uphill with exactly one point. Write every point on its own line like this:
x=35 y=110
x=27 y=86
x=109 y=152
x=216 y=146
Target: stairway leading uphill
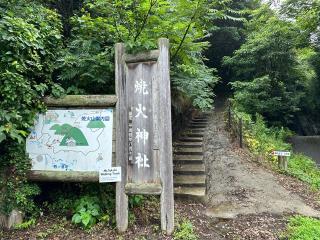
x=189 y=168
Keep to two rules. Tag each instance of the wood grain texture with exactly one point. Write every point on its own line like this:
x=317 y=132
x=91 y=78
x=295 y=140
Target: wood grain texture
x=165 y=137
x=141 y=57
x=144 y=188
x=138 y=73
x=66 y=176
x=82 y=101
x=122 y=139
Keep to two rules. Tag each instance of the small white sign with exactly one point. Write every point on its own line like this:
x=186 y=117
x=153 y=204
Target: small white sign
x=281 y=153
x=112 y=174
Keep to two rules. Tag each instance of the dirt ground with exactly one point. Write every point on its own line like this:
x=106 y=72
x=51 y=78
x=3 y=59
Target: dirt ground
x=236 y=185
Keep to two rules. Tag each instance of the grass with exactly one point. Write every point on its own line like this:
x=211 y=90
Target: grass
x=302 y=228
x=305 y=169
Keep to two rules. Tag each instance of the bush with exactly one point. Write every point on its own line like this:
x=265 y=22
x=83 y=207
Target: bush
x=262 y=140
x=185 y=231
x=305 y=228
x=305 y=169
x=87 y=211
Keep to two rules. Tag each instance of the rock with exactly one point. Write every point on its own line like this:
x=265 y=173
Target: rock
x=14 y=218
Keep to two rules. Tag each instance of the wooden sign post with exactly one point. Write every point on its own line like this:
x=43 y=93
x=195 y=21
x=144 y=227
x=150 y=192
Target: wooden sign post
x=144 y=138
x=282 y=159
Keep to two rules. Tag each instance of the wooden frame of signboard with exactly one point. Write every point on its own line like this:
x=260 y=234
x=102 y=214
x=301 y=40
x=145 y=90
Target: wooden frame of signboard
x=144 y=103
x=76 y=102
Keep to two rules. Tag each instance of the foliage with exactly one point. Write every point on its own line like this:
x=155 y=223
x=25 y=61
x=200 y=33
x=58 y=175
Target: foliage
x=262 y=140
x=86 y=211
x=30 y=41
x=305 y=169
x=269 y=78
x=28 y=50
x=27 y=224
x=62 y=204
x=88 y=58
x=17 y=193
x=228 y=35
x=300 y=227
x=185 y=231
x=135 y=200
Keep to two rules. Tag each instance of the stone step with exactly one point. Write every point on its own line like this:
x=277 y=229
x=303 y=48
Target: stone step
x=188 y=150
x=190 y=192
x=197 y=126
x=185 y=169
x=197 y=130
x=191 y=139
x=199 y=120
x=187 y=159
x=188 y=144
x=194 y=135
x=189 y=180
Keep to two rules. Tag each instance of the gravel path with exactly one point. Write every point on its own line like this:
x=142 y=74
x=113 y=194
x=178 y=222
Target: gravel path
x=236 y=186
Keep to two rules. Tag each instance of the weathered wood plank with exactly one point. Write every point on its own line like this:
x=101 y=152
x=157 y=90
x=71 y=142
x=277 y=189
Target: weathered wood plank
x=140 y=80
x=165 y=136
x=122 y=139
x=141 y=57
x=82 y=101
x=65 y=176
x=144 y=188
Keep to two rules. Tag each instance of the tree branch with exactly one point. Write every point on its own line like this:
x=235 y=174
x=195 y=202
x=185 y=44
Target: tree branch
x=152 y=3
x=186 y=31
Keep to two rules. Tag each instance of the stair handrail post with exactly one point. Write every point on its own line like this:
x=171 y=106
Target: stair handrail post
x=229 y=115
x=240 y=132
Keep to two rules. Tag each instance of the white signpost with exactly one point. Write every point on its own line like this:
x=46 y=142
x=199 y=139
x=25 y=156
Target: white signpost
x=282 y=158
x=281 y=153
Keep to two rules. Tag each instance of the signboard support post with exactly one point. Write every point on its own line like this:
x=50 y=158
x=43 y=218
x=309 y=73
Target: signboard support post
x=122 y=139
x=166 y=172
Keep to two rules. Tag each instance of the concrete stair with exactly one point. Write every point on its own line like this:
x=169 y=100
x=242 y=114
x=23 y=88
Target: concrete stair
x=189 y=169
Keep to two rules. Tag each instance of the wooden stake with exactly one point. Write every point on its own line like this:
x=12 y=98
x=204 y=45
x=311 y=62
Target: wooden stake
x=283 y=163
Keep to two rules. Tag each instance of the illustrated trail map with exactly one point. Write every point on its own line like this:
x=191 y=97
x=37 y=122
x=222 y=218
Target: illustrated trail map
x=71 y=140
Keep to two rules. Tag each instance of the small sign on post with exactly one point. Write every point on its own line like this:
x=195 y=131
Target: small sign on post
x=282 y=159
x=112 y=174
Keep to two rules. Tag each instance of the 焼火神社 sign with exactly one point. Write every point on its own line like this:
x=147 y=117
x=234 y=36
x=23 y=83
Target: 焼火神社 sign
x=144 y=139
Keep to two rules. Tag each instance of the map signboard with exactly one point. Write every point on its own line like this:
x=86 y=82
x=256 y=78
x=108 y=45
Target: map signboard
x=71 y=140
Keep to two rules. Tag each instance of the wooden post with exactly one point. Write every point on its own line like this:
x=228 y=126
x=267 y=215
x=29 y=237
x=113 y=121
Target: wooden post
x=122 y=139
x=240 y=133
x=283 y=163
x=165 y=137
x=229 y=115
